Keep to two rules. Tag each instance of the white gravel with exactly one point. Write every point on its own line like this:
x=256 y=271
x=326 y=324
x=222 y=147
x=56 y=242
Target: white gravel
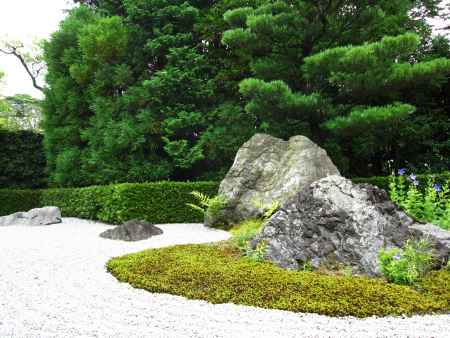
x=53 y=283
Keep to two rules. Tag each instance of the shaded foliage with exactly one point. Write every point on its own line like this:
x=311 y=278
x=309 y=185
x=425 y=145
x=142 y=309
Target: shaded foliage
x=23 y=159
x=307 y=70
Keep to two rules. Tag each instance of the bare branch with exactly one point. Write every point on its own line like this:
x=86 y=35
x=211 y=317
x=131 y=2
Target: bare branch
x=14 y=50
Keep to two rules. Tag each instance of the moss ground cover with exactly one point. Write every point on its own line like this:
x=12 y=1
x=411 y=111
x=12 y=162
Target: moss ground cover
x=219 y=274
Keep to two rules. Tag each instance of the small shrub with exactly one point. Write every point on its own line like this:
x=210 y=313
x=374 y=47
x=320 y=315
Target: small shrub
x=257 y=254
x=407 y=265
x=426 y=199
x=244 y=233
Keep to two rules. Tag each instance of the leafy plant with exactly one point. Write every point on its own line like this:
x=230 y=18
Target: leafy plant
x=306 y=266
x=267 y=210
x=212 y=205
x=242 y=234
x=348 y=271
x=406 y=265
x=257 y=254
x=426 y=199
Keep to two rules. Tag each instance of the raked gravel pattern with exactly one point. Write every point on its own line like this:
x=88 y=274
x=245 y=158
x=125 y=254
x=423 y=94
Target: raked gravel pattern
x=53 y=283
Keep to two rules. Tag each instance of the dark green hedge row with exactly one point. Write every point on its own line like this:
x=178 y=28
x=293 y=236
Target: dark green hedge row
x=23 y=160
x=383 y=181
x=160 y=202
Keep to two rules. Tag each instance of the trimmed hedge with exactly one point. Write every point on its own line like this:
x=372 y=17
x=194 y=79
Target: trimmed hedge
x=157 y=202
x=12 y=201
x=383 y=181
x=23 y=160
x=160 y=202
x=217 y=274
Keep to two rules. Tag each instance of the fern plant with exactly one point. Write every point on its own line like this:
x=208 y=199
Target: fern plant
x=207 y=204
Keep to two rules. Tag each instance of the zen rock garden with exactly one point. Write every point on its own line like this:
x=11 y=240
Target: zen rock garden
x=323 y=218
x=197 y=169
x=290 y=215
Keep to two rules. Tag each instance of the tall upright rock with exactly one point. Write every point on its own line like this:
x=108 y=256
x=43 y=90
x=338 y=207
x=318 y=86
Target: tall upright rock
x=267 y=170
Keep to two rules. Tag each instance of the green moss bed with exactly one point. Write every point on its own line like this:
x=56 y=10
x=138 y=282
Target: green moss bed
x=218 y=274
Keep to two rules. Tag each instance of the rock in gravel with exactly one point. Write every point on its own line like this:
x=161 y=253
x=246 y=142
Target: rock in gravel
x=34 y=217
x=134 y=230
x=268 y=169
x=335 y=223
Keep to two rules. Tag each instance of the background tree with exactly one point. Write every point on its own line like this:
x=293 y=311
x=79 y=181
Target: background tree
x=4 y=107
x=127 y=94
x=148 y=90
x=23 y=113
x=277 y=37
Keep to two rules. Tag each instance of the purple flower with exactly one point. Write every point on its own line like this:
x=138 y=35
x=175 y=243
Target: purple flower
x=413 y=177
x=402 y=171
x=437 y=187
x=416 y=183
x=397 y=256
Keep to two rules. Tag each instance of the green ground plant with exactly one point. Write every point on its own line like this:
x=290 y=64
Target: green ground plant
x=243 y=233
x=218 y=273
x=408 y=264
x=425 y=199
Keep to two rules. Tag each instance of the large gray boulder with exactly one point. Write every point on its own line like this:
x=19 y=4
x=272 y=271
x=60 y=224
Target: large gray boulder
x=134 y=230
x=267 y=169
x=334 y=223
x=34 y=217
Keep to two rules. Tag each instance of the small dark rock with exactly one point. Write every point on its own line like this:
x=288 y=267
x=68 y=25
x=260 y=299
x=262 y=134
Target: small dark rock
x=134 y=230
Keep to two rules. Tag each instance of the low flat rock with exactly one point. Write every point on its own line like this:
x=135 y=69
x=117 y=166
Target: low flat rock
x=34 y=217
x=134 y=230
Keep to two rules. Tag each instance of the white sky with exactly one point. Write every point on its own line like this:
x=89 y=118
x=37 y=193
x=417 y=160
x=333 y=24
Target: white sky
x=27 y=20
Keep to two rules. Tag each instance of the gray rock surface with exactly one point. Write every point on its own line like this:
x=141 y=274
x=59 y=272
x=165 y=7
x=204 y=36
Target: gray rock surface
x=439 y=237
x=335 y=223
x=34 y=217
x=268 y=169
x=134 y=230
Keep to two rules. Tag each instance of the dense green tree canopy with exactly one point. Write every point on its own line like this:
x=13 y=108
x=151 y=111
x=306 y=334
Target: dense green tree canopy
x=144 y=90
x=21 y=112
x=308 y=78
